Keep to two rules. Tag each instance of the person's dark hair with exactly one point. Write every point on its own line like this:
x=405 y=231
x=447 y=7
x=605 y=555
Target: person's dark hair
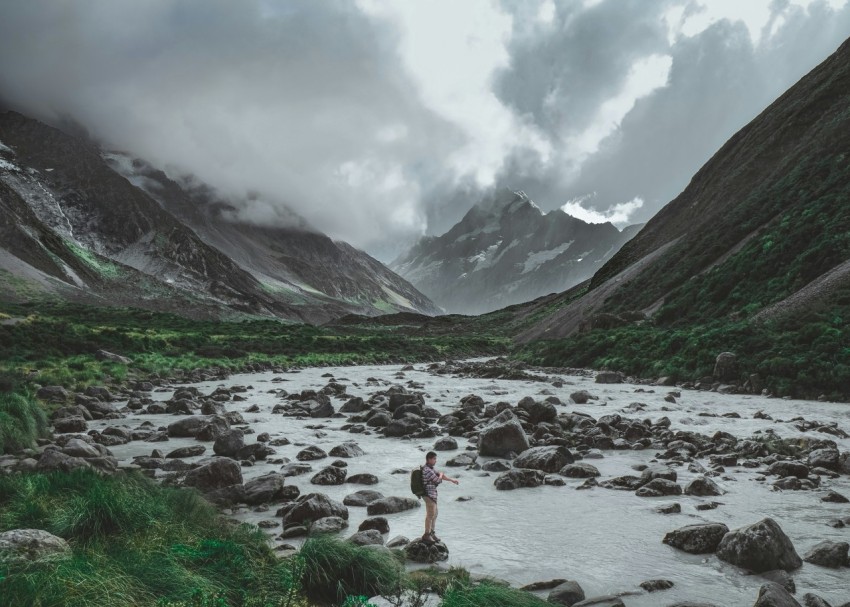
x=429 y=455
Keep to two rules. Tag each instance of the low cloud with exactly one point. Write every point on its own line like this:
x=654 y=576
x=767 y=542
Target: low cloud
x=619 y=214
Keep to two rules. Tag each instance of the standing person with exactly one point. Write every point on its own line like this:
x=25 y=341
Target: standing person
x=431 y=478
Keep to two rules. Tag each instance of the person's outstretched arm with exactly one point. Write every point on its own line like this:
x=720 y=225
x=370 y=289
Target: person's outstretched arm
x=446 y=477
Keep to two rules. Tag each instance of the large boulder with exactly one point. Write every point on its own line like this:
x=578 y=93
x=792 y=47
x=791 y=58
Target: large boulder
x=54 y=394
x=310 y=454
x=362 y=498
x=659 y=487
x=310 y=508
x=188 y=426
x=73 y=423
x=538 y=411
x=785 y=469
x=547 y=459
x=579 y=470
x=391 y=505
x=410 y=423
x=21 y=545
x=77 y=447
x=53 y=459
x=824 y=458
x=568 y=593
x=332 y=475
x=367 y=537
x=697 y=539
x=726 y=367
x=329 y=524
x=349 y=449
x=517 y=479
x=828 y=554
x=774 y=595
x=264 y=489
x=760 y=547
x=502 y=436
x=423 y=552
x=217 y=473
x=229 y=442
x=702 y=486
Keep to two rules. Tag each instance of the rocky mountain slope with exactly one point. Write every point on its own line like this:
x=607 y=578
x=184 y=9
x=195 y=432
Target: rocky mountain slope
x=761 y=231
x=506 y=251
x=182 y=244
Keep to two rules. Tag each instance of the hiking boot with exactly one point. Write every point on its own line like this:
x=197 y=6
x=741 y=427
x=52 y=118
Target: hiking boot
x=434 y=537
x=427 y=539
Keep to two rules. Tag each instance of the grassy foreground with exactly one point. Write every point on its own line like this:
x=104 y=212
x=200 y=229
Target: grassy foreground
x=136 y=543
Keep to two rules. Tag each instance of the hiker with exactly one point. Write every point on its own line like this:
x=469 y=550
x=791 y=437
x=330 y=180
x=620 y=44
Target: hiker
x=431 y=478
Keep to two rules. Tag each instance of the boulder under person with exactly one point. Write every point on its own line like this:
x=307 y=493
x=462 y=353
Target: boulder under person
x=431 y=478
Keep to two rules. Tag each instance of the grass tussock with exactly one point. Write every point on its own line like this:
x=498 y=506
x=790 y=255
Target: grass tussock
x=22 y=421
x=488 y=594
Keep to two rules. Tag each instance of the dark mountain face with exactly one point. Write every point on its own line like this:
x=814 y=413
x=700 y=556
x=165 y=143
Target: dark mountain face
x=506 y=251
x=762 y=229
x=63 y=190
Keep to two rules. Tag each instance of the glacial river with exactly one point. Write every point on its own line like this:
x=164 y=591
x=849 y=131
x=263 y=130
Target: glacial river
x=609 y=541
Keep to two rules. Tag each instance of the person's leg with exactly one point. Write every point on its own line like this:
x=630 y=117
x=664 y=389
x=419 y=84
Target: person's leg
x=430 y=514
x=434 y=523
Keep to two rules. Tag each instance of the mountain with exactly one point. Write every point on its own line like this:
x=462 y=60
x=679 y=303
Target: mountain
x=83 y=231
x=506 y=251
x=761 y=232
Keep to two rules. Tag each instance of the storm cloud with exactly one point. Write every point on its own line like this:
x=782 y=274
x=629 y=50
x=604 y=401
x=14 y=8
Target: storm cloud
x=379 y=121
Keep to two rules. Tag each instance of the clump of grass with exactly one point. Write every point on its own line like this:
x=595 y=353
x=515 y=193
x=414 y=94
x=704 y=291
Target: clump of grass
x=335 y=569
x=488 y=594
x=22 y=420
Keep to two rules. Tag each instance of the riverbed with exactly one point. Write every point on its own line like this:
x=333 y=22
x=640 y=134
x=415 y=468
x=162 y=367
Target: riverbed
x=609 y=541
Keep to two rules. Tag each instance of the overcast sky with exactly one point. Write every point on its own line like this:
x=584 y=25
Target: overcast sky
x=379 y=121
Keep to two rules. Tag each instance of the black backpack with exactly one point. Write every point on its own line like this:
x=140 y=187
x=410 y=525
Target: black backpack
x=417 y=485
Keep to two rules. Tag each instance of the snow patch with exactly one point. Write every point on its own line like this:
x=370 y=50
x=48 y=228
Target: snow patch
x=398 y=299
x=484 y=259
x=535 y=260
x=5 y=165
x=6 y=148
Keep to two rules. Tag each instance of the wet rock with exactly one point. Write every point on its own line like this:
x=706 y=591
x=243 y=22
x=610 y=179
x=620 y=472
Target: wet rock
x=785 y=469
x=581 y=397
x=609 y=377
x=781 y=577
x=354 y=405
x=656 y=585
x=834 y=498
x=503 y=435
x=226 y=496
x=380 y=419
x=391 y=505
x=377 y=523
x=217 y=473
x=405 y=426
x=760 y=547
x=824 y=458
x=187 y=427
x=568 y=593
x=79 y=448
x=69 y=424
x=347 y=450
x=423 y=552
x=813 y=600
x=601 y=601
x=653 y=472
x=215 y=425
x=538 y=411
x=398 y=541
x=726 y=367
x=332 y=475
x=517 y=479
x=828 y=554
x=496 y=466
x=659 y=487
x=311 y=453
x=579 y=470
x=229 y=442
x=54 y=394
x=311 y=507
x=295 y=469
x=446 y=443
x=329 y=524
x=22 y=545
x=367 y=537
x=623 y=483
x=697 y=539
x=774 y=595
x=547 y=585
x=546 y=459
x=669 y=509
x=265 y=489
x=364 y=478
x=53 y=459
x=464 y=459
x=702 y=486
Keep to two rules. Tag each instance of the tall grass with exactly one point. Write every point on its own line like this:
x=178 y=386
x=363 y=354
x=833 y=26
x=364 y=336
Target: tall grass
x=487 y=594
x=22 y=420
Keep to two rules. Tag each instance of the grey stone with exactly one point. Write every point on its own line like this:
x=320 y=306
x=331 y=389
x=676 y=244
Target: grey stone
x=568 y=593
x=697 y=539
x=774 y=595
x=828 y=554
x=219 y=472
x=546 y=459
x=391 y=505
x=21 y=545
x=759 y=547
x=503 y=435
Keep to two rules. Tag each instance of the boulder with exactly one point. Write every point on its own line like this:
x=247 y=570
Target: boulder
x=824 y=458
x=310 y=508
x=367 y=537
x=423 y=552
x=828 y=554
x=516 y=479
x=579 y=470
x=813 y=600
x=295 y=469
x=601 y=601
x=538 y=411
x=581 y=397
x=188 y=426
x=311 y=453
x=54 y=394
x=362 y=498
x=774 y=595
x=22 y=545
x=759 y=547
x=502 y=436
x=496 y=465
x=609 y=377
x=446 y=443
x=52 y=460
x=376 y=523
x=726 y=367
x=329 y=524
x=347 y=450
x=391 y=505
x=547 y=459
x=332 y=475
x=77 y=447
x=702 y=486
x=659 y=487
x=264 y=489
x=410 y=423
x=217 y=473
x=354 y=405
x=190 y=451
x=69 y=424
x=363 y=478
x=784 y=469
x=697 y=539
x=229 y=442
x=112 y=357
x=568 y=593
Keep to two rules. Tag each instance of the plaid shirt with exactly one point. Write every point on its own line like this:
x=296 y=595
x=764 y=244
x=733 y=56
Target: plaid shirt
x=430 y=479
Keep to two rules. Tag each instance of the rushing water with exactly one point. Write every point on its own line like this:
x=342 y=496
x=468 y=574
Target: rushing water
x=609 y=541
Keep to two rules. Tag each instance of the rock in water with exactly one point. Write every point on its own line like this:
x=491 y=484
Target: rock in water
x=774 y=595
x=220 y=472
x=828 y=554
x=423 y=552
x=760 y=547
x=697 y=539
x=310 y=508
x=546 y=459
x=567 y=593
x=516 y=479
x=503 y=435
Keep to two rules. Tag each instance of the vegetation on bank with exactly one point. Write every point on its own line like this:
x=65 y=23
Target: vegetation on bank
x=135 y=542
x=22 y=421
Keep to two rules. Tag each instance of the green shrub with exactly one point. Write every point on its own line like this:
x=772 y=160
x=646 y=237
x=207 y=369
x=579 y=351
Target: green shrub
x=22 y=420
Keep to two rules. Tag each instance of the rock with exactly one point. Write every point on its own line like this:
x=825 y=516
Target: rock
x=659 y=487
x=391 y=505
x=834 y=498
x=226 y=496
x=568 y=593
x=581 y=397
x=503 y=435
x=516 y=479
x=368 y=537
x=377 y=523
x=217 y=473
x=785 y=469
x=824 y=458
x=774 y=595
x=265 y=489
x=759 y=547
x=726 y=367
x=781 y=577
x=22 y=545
x=354 y=405
x=79 y=448
x=310 y=508
x=461 y=460
x=332 y=475
x=311 y=453
x=362 y=498
x=496 y=465
x=188 y=426
x=828 y=554
x=609 y=377
x=329 y=524
x=347 y=450
x=404 y=426
x=669 y=509
x=579 y=470
x=546 y=459
x=655 y=585
x=538 y=412
x=422 y=552
x=702 y=486
x=295 y=469
x=69 y=424
x=697 y=539
x=190 y=451
x=229 y=442
x=446 y=443
x=654 y=472
x=54 y=394
x=111 y=357
x=364 y=478
x=601 y=601
x=813 y=600
x=398 y=541
x=53 y=459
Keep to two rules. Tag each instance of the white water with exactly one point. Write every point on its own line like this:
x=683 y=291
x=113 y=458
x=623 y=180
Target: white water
x=609 y=541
